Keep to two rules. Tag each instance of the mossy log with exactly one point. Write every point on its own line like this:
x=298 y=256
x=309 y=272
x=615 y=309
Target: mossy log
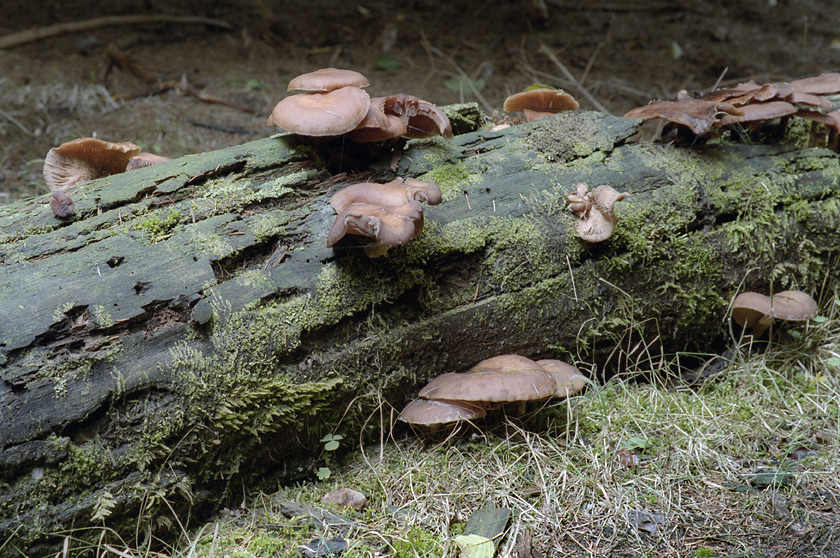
x=187 y=332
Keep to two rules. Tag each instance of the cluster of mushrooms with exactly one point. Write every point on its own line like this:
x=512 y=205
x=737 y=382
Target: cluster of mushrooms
x=596 y=218
x=750 y=104
x=332 y=102
x=455 y=397
x=390 y=213
x=84 y=159
x=757 y=312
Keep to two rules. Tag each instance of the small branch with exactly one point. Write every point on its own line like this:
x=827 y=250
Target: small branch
x=38 y=33
x=551 y=56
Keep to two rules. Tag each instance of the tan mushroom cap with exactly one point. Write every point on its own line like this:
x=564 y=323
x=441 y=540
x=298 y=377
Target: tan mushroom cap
x=389 y=225
x=145 y=160
x=596 y=210
x=327 y=79
x=757 y=112
x=396 y=192
x=758 y=311
x=500 y=379
x=421 y=118
x=85 y=159
x=569 y=380
x=540 y=102
x=821 y=84
x=698 y=115
x=432 y=412
x=378 y=126
x=321 y=114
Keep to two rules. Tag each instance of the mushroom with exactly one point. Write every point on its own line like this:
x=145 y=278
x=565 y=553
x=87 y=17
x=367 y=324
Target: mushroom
x=321 y=114
x=431 y=414
x=327 y=79
x=500 y=379
x=539 y=102
x=568 y=379
x=389 y=225
x=61 y=204
x=697 y=115
x=596 y=211
x=758 y=112
x=378 y=126
x=396 y=192
x=758 y=311
x=830 y=120
x=85 y=159
x=346 y=498
x=421 y=118
x=145 y=160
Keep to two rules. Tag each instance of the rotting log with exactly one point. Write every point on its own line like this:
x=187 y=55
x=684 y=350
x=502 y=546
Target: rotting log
x=187 y=332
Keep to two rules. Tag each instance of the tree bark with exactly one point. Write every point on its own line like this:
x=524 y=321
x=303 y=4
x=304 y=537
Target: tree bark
x=187 y=332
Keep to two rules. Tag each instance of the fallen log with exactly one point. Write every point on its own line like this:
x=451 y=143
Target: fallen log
x=187 y=332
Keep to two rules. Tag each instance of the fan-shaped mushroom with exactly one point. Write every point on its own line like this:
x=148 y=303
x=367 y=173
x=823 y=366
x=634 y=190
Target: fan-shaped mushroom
x=758 y=312
x=596 y=211
x=85 y=159
x=539 y=102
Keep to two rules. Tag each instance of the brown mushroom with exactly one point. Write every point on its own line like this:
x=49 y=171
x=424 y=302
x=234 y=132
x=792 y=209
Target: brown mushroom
x=321 y=114
x=758 y=312
x=500 y=379
x=61 y=204
x=378 y=126
x=432 y=413
x=568 y=379
x=327 y=79
x=389 y=225
x=346 y=498
x=758 y=112
x=421 y=118
x=540 y=102
x=697 y=115
x=830 y=120
x=396 y=192
x=145 y=160
x=85 y=159
x=821 y=84
x=596 y=211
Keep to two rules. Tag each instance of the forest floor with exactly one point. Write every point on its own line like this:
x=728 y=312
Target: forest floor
x=745 y=464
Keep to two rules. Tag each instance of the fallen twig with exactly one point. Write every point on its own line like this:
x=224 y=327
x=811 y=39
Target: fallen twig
x=38 y=33
x=562 y=67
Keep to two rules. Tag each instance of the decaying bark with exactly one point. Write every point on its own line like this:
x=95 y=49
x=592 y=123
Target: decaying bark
x=187 y=332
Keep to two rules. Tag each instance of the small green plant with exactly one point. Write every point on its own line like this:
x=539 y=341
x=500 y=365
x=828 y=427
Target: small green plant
x=331 y=443
x=704 y=552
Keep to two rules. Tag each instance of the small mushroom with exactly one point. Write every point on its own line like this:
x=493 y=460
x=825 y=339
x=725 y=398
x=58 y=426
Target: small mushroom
x=85 y=159
x=432 y=414
x=421 y=118
x=568 y=379
x=500 y=379
x=596 y=211
x=61 y=204
x=758 y=312
x=396 y=192
x=145 y=160
x=539 y=102
x=321 y=114
x=758 y=112
x=327 y=79
x=377 y=125
x=389 y=225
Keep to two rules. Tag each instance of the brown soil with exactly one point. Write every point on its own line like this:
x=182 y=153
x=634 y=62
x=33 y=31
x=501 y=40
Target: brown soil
x=624 y=54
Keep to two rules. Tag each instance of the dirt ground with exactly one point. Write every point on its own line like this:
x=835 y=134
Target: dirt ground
x=622 y=53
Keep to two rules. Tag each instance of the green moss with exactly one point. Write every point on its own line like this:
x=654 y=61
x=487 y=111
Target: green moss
x=158 y=229
x=451 y=177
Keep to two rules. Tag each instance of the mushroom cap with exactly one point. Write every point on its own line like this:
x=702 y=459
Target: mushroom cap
x=61 y=204
x=500 y=379
x=393 y=193
x=378 y=126
x=389 y=225
x=321 y=114
x=85 y=159
x=145 y=160
x=605 y=197
x=431 y=412
x=758 y=311
x=757 y=112
x=569 y=380
x=831 y=119
x=327 y=79
x=821 y=84
x=542 y=100
x=421 y=118
x=597 y=227
x=696 y=114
